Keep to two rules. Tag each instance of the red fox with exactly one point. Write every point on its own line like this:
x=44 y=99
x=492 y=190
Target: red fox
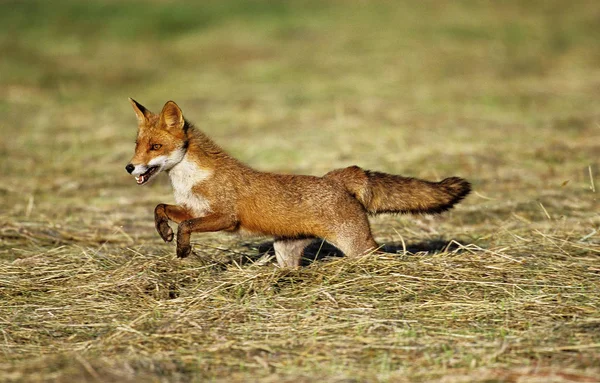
x=216 y=192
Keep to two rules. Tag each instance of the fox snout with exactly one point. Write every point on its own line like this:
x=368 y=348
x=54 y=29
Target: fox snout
x=143 y=173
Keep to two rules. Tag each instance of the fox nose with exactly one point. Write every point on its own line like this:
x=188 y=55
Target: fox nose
x=129 y=168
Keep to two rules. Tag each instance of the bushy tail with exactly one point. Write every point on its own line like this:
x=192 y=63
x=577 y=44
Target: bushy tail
x=388 y=193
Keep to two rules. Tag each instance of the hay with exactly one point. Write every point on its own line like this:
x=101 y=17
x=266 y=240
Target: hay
x=112 y=312
x=506 y=287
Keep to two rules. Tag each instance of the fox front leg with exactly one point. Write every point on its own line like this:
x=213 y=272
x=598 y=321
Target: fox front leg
x=211 y=222
x=163 y=213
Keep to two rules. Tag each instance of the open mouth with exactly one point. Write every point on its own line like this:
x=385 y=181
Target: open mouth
x=143 y=178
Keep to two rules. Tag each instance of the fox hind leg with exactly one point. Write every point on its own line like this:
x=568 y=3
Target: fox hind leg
x=354 y=246
x=354 y=237
x=288 y=252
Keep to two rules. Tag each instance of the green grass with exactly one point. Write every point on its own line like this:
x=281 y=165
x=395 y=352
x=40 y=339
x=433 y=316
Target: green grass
x=505 y=287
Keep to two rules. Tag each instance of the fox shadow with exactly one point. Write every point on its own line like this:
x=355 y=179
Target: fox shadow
x=319 y=250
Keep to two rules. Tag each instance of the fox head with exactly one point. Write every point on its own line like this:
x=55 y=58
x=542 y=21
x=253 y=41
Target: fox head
x=161 y=141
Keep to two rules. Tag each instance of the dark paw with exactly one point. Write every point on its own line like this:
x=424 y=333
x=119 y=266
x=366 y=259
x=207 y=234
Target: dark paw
x=165 y=231
x=183 y=251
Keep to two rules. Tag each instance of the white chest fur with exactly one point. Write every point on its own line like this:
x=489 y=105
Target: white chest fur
x=184 y=176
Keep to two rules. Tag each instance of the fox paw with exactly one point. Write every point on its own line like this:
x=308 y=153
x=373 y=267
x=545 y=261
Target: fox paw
x=183 y=251
x=165 y=231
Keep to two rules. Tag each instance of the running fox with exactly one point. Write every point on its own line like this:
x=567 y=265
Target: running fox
x=216 y=192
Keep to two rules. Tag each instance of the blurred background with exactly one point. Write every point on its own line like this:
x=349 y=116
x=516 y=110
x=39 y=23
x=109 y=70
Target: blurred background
x=504 y=94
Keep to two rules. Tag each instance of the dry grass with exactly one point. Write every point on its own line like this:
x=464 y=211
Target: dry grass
x=504 y=288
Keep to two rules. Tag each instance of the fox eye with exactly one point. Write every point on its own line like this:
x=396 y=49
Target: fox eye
x=155 y=146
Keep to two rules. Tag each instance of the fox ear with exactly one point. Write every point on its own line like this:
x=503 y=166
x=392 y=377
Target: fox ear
x=142 y=113
x=171 y=116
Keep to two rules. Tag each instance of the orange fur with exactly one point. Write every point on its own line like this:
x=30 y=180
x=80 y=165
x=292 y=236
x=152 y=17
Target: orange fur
x=216 y=192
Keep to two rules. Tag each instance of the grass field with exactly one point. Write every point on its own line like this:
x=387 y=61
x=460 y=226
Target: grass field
x=504 y=288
